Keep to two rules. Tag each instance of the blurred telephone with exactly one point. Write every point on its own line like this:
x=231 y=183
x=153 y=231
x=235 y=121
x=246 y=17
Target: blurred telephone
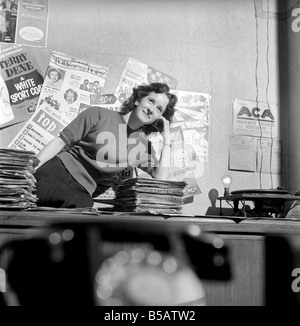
x=157 y=126
x=116 y=263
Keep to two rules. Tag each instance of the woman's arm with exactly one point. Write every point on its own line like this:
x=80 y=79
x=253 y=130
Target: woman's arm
x=162 y=170
x=50 y=150
x=71 y=134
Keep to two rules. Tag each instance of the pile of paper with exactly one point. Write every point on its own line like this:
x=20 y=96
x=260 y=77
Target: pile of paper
x=17 y=184
x=150 y=195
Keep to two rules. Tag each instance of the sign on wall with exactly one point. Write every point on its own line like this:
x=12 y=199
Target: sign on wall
x=255 y=145
x=257 y=119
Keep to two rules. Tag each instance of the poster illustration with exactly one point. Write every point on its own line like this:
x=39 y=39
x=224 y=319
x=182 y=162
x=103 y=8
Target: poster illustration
x=62 y=98
x=136 y=73
x=20 y=85
x=192 y=116
x=8 y=20
x=32 y=23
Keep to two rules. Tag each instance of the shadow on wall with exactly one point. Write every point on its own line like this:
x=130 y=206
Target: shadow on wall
x=213 y=195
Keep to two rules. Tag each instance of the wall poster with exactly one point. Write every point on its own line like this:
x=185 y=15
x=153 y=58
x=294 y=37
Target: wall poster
x=257 y=119
x=32 y=26
x=24 y=22
x=136 y=73
x=255 y=145
x=8 y=20
x=62 y=98
x=20 y=85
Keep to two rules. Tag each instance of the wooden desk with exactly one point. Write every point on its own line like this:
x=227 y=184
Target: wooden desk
x=245 y=241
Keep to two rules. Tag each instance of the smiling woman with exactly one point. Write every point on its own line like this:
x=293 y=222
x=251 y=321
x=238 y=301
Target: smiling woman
x=97 y=144
x=70 y=96
x=153 y=99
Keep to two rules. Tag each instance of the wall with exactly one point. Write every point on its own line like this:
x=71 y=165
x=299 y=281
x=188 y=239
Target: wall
x=209 y=46
x=292 y=47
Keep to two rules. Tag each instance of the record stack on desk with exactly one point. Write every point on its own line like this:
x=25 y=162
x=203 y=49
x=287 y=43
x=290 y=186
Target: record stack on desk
x=17 y=184
x=150 y=195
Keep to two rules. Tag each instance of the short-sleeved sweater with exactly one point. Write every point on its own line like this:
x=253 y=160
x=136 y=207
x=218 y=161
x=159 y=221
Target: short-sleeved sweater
x=99 y=145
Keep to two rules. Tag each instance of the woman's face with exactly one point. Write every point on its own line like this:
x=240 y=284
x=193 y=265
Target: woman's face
x=151 y=107
x=54 y=76
x=70 y=97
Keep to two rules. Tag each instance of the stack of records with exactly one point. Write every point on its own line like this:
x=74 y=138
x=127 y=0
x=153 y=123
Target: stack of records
x=150 y=195
x=17 y=184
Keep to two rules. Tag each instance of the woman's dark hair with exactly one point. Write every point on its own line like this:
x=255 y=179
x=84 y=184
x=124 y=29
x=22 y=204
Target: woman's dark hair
x=54 y=69
x=141 y=91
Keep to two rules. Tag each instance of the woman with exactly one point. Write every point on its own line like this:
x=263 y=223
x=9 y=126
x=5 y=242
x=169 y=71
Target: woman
x=55 y=77
x=70 y=96
x=100 y=143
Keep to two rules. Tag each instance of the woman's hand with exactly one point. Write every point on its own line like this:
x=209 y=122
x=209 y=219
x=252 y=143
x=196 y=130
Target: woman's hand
x=162 y=170
x=166 y=133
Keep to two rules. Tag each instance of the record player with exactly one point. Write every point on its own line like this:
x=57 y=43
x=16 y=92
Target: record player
x=266 y=202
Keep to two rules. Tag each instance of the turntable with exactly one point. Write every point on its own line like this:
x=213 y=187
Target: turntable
x=266 y=202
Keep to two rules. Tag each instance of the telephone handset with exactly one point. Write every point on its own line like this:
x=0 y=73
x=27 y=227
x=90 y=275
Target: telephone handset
x=158 y=125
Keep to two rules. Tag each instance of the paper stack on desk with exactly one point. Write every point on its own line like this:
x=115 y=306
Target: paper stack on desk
x=17 y=183
x=150 y=195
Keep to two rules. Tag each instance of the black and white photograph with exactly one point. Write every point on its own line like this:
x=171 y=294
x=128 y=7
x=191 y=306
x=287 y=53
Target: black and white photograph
x=159 y=167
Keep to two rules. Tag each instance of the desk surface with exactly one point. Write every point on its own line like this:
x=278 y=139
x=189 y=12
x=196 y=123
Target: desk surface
x=27 y=219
